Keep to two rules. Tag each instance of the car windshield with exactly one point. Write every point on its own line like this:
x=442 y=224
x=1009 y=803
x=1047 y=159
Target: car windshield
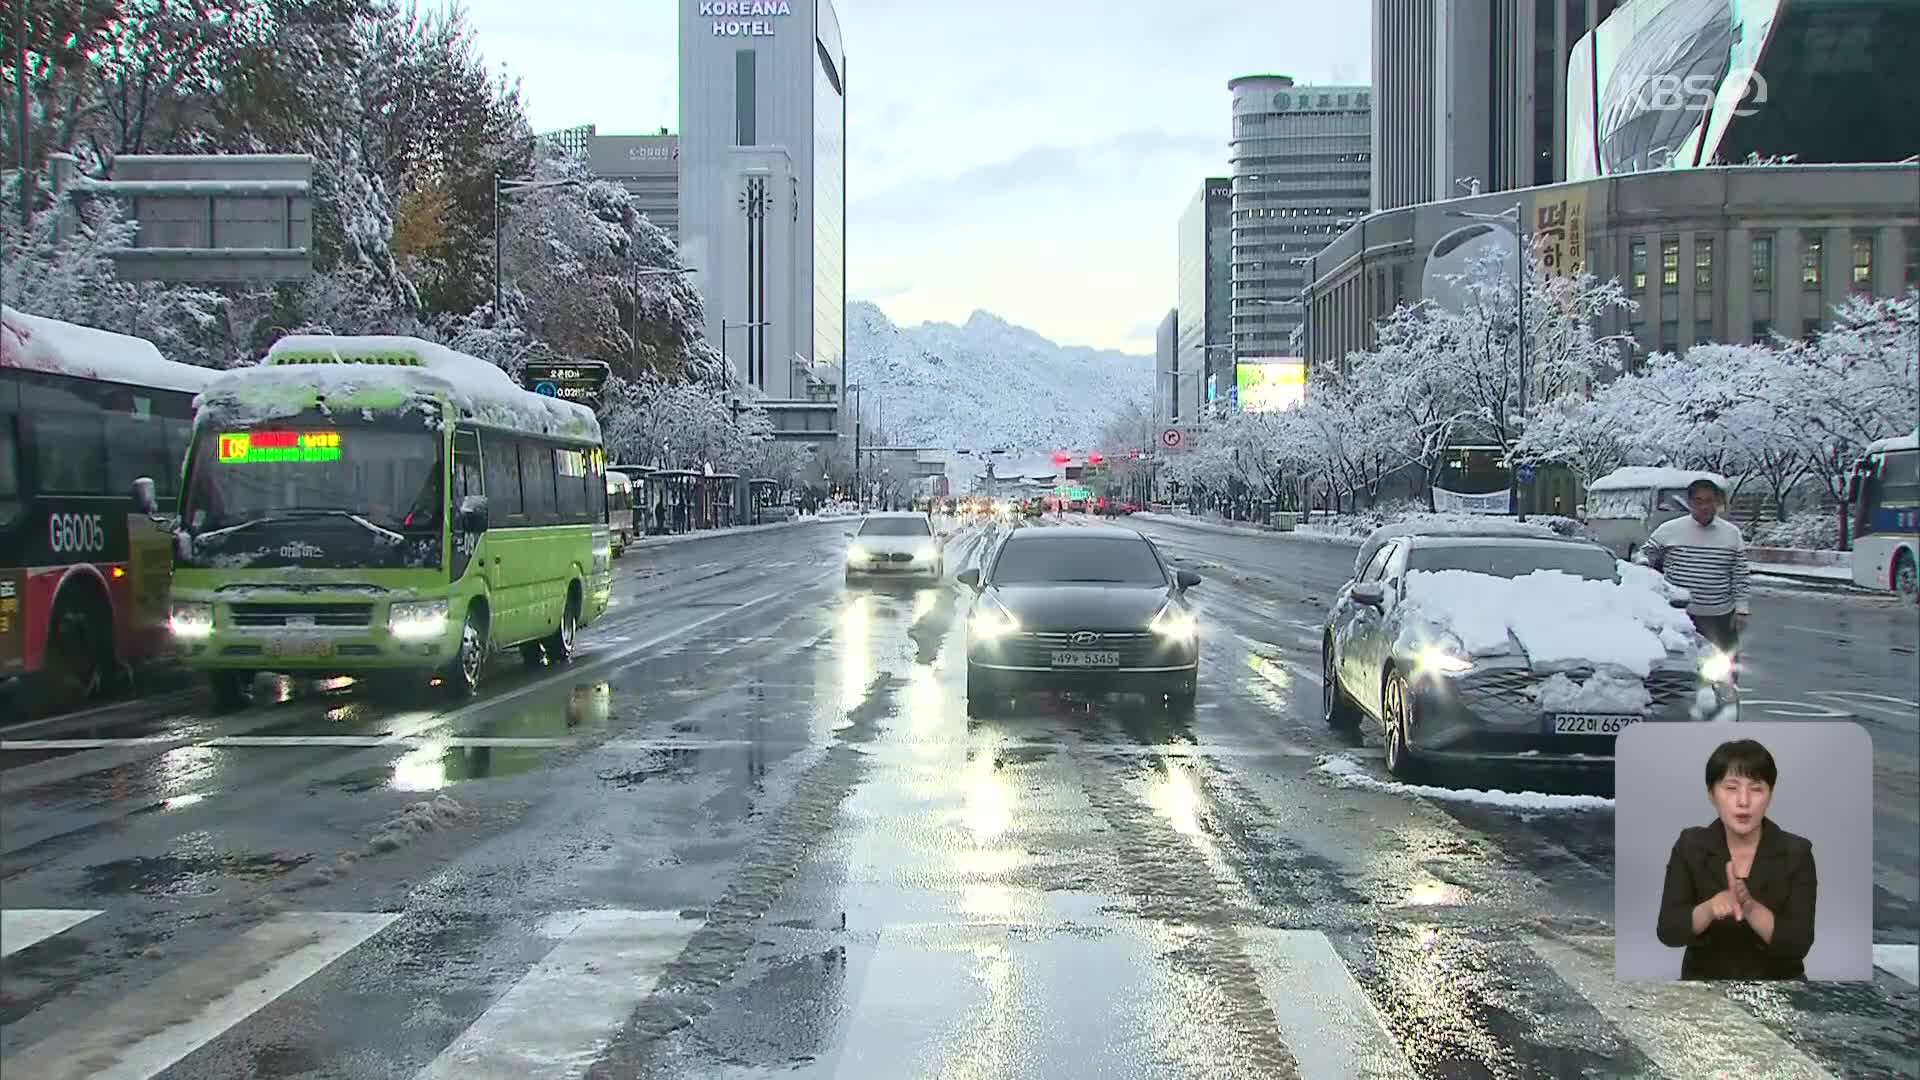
x=389 y=476
x=1516 y=560
x=895 y=527
x=1116 y=561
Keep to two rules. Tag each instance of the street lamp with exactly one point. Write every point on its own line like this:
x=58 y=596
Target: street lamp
x=854 y=389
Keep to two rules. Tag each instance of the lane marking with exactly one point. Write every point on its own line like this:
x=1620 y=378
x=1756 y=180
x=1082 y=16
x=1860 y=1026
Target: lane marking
x=153 y=1028
x=1900 y=961
x=86 y=744
x=1326 y=1019
x=21 y=927
x=1860 y=699
x=1816 y=630
x=1686 y=1029
x=561 y=1015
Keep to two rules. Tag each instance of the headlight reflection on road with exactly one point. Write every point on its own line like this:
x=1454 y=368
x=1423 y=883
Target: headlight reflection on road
x=990 y=799
x=423 y=769
x=924 y=602
x=856 y=665
x=924 y=713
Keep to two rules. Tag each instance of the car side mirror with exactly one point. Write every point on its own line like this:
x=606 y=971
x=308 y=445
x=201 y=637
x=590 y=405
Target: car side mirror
x=969 y=577
x=1371 y=593
x=145 y=496
x=1186 y=579
x=473 y=514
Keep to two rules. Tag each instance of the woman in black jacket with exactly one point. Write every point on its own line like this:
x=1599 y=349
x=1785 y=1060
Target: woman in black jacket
x=1740 y=892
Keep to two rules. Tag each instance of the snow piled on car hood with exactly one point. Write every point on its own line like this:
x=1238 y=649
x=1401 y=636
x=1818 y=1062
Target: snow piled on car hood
x=1560 y=621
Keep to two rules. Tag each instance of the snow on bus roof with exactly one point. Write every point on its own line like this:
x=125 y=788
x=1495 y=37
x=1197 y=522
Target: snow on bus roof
x=343 y=367
x=1909 y=441
x=1652 y=476
x=37 y=343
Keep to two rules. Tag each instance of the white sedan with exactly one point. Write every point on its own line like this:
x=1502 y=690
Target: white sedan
x=897 y=547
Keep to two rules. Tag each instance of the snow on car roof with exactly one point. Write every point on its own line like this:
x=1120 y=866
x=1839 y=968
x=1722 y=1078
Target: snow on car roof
x=1653 y=476
x=1909 y=441
x=1464 y=525
x=343 y=367
x=37 y=343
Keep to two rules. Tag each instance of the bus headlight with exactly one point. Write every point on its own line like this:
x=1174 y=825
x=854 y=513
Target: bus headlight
x=190 y=621
x=418 y=620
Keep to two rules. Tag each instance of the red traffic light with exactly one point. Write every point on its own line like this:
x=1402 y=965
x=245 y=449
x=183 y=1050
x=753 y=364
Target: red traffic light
x=1061 y=457
x=1095 y=459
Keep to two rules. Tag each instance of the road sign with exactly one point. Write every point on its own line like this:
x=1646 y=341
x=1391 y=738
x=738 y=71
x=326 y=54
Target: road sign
x=1526 y=473
x=571 y=380
x=1173 y=438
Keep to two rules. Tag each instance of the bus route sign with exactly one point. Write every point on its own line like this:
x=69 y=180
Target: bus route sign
x=572 y=380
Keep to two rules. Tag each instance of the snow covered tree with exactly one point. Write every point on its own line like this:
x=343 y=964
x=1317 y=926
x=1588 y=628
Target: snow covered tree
x=1422 y=407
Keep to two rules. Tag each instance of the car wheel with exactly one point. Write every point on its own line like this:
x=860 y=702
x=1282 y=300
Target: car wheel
x=461 y=677
x=559 y=645
x=1396 y=708
x=232 y=690
x=1906 y=576
x=1336 y=707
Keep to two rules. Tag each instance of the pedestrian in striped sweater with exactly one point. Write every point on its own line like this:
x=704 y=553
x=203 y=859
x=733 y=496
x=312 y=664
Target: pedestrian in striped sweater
x=1705 y=554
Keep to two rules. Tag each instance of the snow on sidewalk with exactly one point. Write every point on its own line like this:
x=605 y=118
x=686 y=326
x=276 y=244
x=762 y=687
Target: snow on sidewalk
x=1841 y=574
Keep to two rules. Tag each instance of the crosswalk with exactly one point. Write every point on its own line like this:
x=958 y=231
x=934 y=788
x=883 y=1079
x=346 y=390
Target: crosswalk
x=915 y=996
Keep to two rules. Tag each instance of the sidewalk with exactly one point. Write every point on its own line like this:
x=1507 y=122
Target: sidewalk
x=1834 y=578
x=737 y=530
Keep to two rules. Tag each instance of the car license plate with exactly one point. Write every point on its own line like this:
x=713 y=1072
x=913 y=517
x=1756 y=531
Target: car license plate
x=1591 y=723
x=1078 y=658
x=300 y=648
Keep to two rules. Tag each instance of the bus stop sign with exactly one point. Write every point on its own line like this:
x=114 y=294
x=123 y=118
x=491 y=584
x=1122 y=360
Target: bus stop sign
x=573 y=380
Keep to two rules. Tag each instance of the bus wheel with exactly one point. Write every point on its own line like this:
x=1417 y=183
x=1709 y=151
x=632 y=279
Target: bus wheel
x=461 y=677
x=79 y=658
x=1906 y=576
x=232 y=690
x=559 y=645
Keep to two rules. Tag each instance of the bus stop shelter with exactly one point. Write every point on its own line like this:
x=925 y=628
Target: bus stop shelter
x=761 y=492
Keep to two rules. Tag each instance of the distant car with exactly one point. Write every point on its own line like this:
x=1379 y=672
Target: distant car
x=899 y=546
x=1507 y=645
x=1090 y=609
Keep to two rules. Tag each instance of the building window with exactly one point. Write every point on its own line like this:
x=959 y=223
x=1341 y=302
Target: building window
x=1669 y=335
x=1763 y=262
x=1637 y=262
x=1762 y=331
x=1863 y=262
x=743 y=98
x=1810 y=262
x=1703 y=262
x=1808 y=328
x=1670 y=264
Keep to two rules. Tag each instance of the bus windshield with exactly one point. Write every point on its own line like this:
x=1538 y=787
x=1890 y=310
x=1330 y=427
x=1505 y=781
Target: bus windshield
x=302 y=491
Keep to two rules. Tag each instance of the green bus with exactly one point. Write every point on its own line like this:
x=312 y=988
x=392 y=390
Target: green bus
x=383 y=508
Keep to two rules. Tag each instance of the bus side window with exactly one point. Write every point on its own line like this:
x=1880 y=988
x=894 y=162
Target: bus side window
x=502 y=459
x=536 y=482
x=466 y=466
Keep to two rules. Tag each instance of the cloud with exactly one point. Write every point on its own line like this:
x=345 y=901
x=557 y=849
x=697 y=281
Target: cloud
x=1146 y=331
x=878 y=292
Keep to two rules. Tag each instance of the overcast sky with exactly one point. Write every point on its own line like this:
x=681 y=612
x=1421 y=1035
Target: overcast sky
x=1031 y=159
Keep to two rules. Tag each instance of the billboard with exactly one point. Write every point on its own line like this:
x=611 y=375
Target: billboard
x=1657 y=83
x=1270 y=384
x=633 y=155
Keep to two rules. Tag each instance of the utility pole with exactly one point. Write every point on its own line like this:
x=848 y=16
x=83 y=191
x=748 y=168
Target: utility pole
x=497 y=286
x=26 y=138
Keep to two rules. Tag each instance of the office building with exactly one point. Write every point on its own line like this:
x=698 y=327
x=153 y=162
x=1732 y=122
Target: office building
x=1474 y=91
x=762 y=197
x=1167 y=398
x=1301 y=170
x=1730 y=254
x=1206 y=290
x=648 y=166
x=567 y=142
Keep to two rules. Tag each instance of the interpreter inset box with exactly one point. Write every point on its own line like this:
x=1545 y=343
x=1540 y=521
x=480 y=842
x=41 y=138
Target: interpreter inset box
x=1743 y=851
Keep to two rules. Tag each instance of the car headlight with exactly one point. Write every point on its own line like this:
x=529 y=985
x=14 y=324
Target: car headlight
x=1717 y=666
x=190 y=621
x=1175 y=624
x=856 y=553
x=1446 y=657
x=417 y=619
x=991 y=622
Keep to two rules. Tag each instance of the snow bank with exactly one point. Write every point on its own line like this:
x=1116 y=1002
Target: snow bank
x=1909 y=441
x=64 y=348
x=1559 y=621
x=401 y=370
x=1347 y=772
x=1649 y=476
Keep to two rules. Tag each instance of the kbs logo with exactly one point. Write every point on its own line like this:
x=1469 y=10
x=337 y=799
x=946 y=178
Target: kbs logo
x=69 y=534
x=1746 y=88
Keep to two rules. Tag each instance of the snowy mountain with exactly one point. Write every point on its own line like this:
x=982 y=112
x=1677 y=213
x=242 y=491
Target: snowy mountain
x=986 y=384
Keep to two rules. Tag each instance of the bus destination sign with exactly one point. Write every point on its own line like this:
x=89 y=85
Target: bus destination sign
x=576 y=380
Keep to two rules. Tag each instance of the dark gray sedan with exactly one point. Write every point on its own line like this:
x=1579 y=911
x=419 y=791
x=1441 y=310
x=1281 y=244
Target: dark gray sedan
x=1541 y=682
x=1093 y=610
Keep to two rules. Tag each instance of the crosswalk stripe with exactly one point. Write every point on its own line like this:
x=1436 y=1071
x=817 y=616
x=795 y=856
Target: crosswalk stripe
x=1687 y=1029
x=1901 y=961
x=21 y=927
x=1329 y=1023
x=557 y=1018
x=151 y=1029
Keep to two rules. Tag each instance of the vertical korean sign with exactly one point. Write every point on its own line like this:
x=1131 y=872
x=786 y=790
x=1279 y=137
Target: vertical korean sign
x=1560 y=223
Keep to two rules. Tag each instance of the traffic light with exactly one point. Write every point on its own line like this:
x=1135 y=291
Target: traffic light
x=1095 y=459
x=1061 y=457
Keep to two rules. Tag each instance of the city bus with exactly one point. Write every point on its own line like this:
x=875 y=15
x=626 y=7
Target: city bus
x=1885 y=493
x=83 y=575
x=387 y=509
x=619 y=510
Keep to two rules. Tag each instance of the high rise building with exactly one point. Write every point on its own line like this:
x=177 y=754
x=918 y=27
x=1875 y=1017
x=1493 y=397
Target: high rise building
x=1166 y=371
x=648 y=166
x=1473 y=91
x=762 y=197
x=567 y=142
x=1206 y=290
x=1301 y=160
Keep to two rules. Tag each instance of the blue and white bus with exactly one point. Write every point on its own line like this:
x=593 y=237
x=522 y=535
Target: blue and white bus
x=1885 y=492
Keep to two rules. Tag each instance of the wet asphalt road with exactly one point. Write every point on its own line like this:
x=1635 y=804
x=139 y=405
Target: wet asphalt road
x=751 y=832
